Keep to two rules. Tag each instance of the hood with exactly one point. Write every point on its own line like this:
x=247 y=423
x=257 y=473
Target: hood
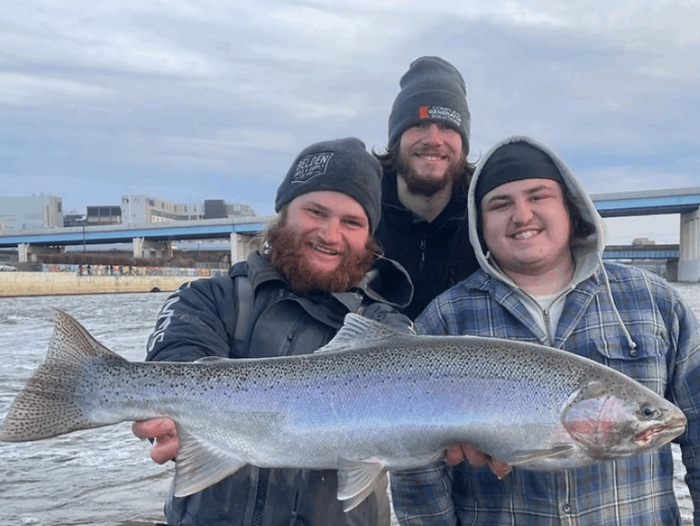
x=587 y=252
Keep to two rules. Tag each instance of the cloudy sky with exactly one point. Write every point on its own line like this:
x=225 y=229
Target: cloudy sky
x=189 y=100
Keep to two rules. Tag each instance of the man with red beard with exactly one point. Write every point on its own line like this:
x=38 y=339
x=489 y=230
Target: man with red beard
x=424 y=223
x=317 y=263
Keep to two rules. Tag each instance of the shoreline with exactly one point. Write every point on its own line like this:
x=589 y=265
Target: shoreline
x=20 y=284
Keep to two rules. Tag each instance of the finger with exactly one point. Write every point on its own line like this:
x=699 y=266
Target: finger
x=500 y=469
x=476 y=457
x=166 y=448
x=454 y=455
x=153 y=428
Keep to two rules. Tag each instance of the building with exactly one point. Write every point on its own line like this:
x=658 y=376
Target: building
x=103 y=215
x=140 y=209
x=31 y=213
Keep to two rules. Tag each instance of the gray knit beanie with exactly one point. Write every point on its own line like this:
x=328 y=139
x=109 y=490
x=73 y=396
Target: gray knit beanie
x=432 y=90
x=342 y=165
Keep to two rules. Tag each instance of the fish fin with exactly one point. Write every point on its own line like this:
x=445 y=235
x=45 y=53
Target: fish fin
x=357 y=480
x=200 y=465
x=51 y=402
x=357 y=331
x=532 y=455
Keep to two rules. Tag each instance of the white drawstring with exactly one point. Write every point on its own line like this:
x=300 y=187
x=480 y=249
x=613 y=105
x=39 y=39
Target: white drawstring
x=630 y=342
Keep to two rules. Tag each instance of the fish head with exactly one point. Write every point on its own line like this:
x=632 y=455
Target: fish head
x=620 y=418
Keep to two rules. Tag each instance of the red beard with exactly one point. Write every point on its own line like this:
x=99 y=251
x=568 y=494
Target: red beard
x=286 y=254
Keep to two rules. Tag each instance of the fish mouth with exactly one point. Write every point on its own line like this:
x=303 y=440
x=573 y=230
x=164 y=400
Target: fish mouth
x=668 y=432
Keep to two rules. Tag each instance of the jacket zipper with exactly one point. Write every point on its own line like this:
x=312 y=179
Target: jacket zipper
x=545 y=317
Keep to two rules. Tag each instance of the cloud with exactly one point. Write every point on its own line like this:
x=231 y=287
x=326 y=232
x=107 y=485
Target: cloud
x=35 y=90
x=187 y=98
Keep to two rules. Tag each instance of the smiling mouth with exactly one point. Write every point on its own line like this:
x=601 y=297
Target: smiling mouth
x=431 y=158
x=324 y=250
x=526 y=234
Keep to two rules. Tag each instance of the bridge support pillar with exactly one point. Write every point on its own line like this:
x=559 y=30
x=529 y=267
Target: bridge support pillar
x=240 y=247
x=235 y=249
x=23 y=252
x=27 y=252
x=689 y=260
x=144 y=248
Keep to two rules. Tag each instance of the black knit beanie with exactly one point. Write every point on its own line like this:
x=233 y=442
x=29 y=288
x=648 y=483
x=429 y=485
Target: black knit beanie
x=515 y=161
x=432 y=90
x=342 y=165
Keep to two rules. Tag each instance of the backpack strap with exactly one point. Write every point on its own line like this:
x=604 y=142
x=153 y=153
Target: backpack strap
x=245 y=307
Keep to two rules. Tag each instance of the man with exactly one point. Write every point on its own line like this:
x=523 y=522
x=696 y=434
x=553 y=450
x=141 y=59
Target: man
x=424 y=222
x=539 y=242
x=317 y=263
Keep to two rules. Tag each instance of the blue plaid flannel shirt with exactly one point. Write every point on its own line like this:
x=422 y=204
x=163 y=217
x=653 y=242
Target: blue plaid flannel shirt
x=636 y=491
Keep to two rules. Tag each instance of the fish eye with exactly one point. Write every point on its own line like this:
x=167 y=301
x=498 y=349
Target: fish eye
x=648 y=411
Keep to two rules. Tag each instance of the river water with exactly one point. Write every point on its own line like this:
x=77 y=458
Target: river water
x=101 y=476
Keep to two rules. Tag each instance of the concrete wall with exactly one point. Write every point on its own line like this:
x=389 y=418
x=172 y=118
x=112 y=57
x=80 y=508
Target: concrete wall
x=56 y=283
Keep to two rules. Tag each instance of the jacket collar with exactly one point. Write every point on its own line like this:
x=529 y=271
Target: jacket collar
x=387 y=281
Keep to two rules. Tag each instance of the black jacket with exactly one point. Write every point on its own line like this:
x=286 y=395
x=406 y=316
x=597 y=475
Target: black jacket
x=201 y=320
x=436 y=254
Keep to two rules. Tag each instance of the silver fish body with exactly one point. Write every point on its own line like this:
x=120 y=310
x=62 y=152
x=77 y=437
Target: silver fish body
x=371 y=400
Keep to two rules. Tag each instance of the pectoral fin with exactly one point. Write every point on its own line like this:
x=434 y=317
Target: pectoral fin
x=357 y=480
x=200 y=464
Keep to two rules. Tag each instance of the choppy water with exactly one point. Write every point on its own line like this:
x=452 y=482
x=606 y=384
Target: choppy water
x=101 y=476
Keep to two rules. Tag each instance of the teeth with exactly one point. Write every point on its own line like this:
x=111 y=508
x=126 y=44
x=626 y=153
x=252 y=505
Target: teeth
x=525 y=235
x=325 y=250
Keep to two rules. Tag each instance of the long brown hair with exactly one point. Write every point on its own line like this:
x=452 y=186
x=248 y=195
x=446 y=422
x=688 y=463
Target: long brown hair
x=390 y=163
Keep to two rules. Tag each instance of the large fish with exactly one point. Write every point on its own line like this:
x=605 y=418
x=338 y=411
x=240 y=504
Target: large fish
x=371 y=400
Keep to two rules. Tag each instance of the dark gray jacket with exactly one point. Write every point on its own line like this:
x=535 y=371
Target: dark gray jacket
x=436 y=254
x=204 y=318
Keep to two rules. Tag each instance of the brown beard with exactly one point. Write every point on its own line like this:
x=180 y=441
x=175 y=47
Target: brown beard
x=285 y=253
x=418 y=186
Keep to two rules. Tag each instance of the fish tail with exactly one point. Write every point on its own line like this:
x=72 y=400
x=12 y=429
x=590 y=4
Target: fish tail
x=53 y=402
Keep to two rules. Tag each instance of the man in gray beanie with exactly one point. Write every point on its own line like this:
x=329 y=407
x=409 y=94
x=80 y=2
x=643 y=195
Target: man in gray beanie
x=424 y=222
x=341 y=166
x=316 y=264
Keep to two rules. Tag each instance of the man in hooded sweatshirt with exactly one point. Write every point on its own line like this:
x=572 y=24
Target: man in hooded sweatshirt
x=539 y=242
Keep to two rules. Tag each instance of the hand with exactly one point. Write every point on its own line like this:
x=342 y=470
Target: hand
x=476 y=458
x=164 y=432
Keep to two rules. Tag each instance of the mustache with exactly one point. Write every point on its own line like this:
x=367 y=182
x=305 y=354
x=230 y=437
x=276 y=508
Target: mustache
x=432 y=150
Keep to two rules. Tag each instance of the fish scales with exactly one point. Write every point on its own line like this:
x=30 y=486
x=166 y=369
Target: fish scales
x=371 y=400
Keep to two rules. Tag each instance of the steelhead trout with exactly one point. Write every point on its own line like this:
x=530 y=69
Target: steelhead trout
x=370 y=400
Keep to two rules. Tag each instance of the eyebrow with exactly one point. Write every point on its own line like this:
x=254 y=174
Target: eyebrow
x=529 y=191
x=324 y=208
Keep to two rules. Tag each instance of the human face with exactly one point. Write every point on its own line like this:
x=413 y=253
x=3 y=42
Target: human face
x=430 y=154
x=527 y=228
x=330 y=226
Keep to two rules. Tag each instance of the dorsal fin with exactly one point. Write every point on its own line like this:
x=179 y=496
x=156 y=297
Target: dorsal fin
x=358 y=331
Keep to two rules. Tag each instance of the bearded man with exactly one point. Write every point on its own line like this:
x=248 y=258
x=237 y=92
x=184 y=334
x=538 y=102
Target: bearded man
x=317 y=263
x=424 y=223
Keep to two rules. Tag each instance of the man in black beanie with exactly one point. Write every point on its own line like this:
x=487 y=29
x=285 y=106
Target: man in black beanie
x=424 y=222
x=317 y=263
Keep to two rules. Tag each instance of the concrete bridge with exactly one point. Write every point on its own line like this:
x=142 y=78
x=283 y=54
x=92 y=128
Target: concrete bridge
x=155 y=240
x=683 y=201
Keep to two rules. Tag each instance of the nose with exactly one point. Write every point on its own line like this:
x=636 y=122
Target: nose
x=330 y=231
x=433 y=135
x=522 y=212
